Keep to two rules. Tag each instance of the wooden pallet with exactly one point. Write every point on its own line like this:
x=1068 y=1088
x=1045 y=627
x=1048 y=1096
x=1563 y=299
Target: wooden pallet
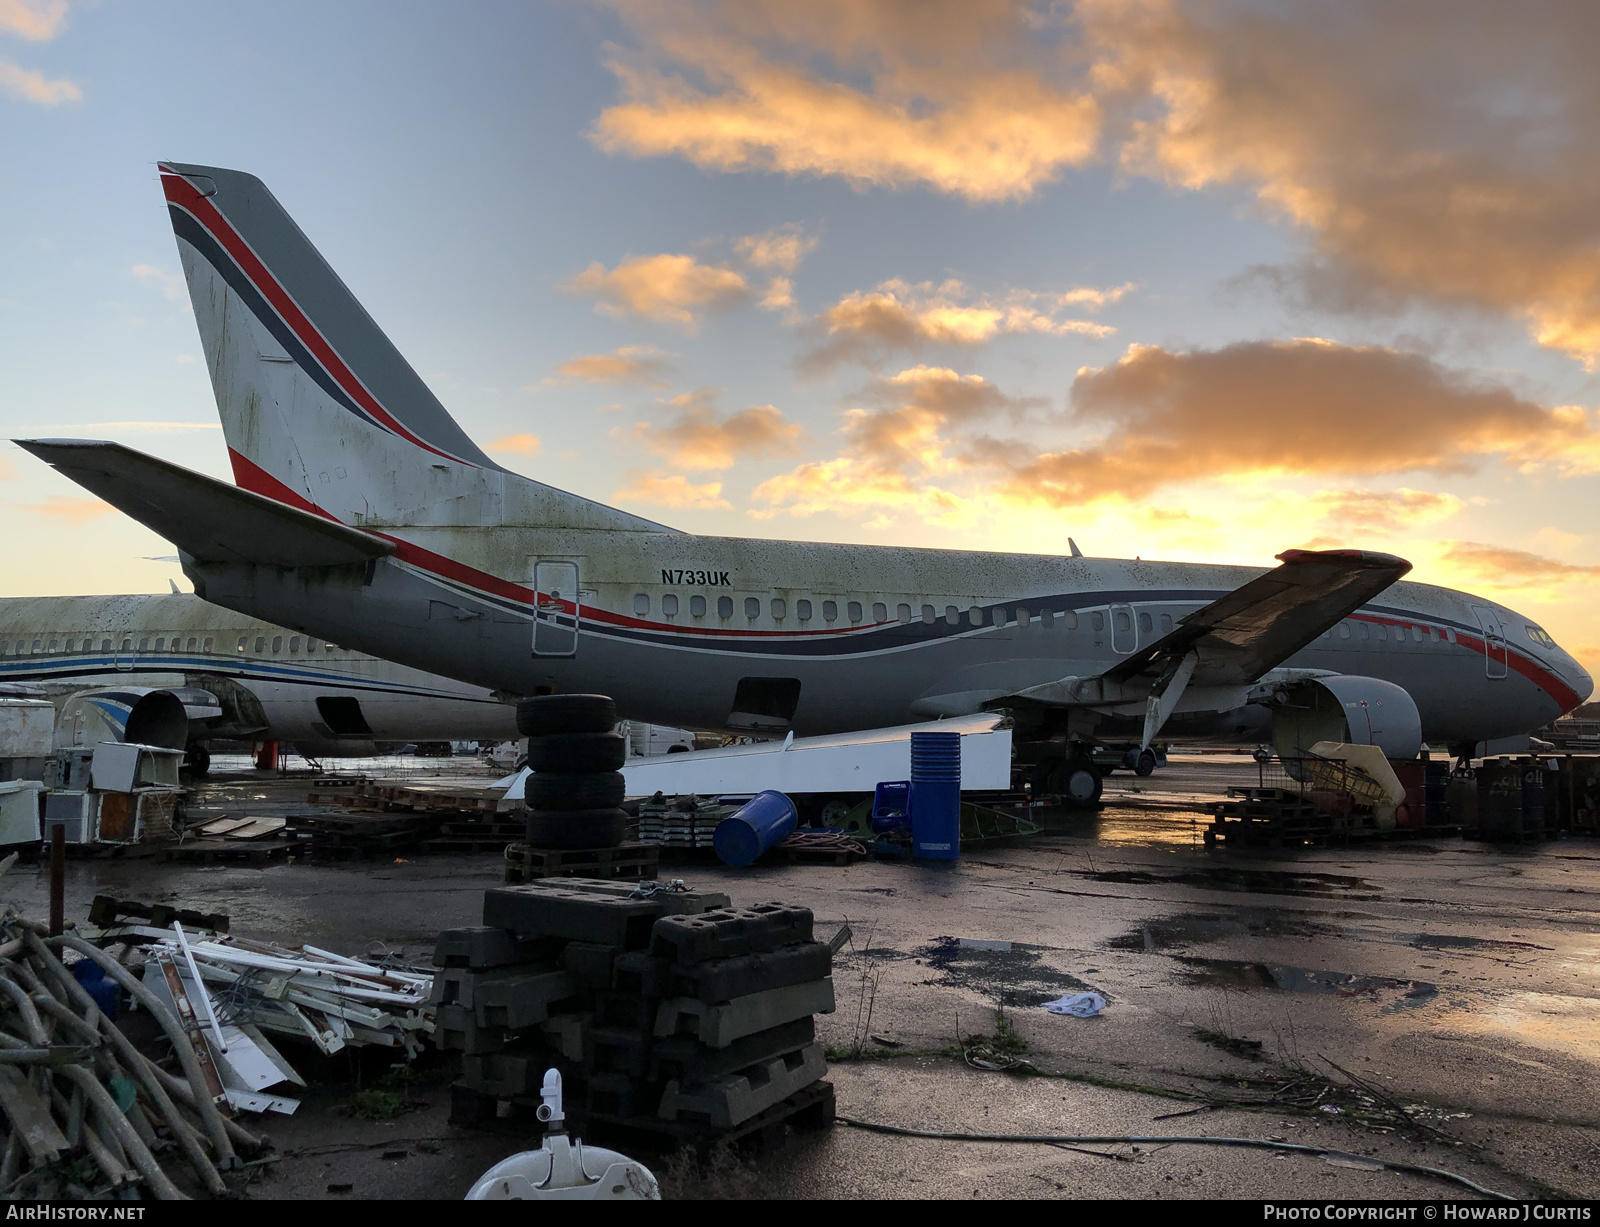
x=243 y=851
x=462 y=844
x=525 y=864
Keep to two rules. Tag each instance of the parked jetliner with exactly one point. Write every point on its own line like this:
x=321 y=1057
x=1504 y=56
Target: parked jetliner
x=177 y=668
x=363 y=512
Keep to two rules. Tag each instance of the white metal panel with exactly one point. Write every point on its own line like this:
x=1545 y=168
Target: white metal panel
x=27 y=728
x=19 y=811
x=845 y=762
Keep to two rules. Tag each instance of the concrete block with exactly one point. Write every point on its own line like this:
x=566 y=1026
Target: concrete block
x=458 y=1027
x=589 y=964
x=484 y=946
x=642 y=973
x=718 y=1026
x=564 y=1033
x=731 y=1100
x=728 y=932
x=617 y=1050
x=518 y=1001
x=725 y=979
x=540 y=910
x=689 y=1061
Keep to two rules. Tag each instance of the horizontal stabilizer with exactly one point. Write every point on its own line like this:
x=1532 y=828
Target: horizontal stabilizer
x=207 y=519
x=1238 y=637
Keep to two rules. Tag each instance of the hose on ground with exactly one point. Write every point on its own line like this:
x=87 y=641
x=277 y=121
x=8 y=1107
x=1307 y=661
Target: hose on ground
x=1048 y=1139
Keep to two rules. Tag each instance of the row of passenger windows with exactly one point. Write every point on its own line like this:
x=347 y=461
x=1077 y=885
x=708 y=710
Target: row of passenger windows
x=162 y=643
x=1377 y=631
x=855 y=611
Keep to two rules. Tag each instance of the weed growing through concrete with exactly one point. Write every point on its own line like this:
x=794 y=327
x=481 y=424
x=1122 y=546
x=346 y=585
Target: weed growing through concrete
x=724 y=1175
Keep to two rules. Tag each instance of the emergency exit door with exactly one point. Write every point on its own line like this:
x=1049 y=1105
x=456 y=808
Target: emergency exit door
x=555 y=609
x=1494 y=641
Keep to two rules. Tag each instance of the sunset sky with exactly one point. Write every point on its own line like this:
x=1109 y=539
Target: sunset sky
x=1183 y=280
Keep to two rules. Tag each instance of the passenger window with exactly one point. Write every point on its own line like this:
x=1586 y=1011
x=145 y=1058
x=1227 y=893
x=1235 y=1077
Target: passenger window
x=55 y=645
x=177 y=644
x=1146 y=623
x=1344 y=630
x=830 y=611
x=277 y=644
x=641 y=604
x=1124 y=623
x=1449 y=635
x=38 y=644
x=780 y=608
x=853 y=611
x=952 y=615
x=724 y=607
x=976 y=614
x=294 y=645
x=1379 y=631
x=752 y=607
x=1363 y=631
x=72 y=645
x=261 y=645
x=1069 y=619
x=1097 y=621
x=1024 y=617
x=5 y=645
x=311 y=645
x=1166 y=623
x=144 y=645
x=697 y=607
x=903 y=612
x=669 y=605
x=928 y=615
x=880 y=612
x=161 y=645
x=206 y=646
x=1416 y=634
x=802 y=610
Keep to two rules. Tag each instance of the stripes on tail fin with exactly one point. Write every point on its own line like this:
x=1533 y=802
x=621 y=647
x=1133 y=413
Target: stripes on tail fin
x=317 y=406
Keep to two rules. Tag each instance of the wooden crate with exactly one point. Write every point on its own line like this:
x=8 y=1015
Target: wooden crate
x=526 y=864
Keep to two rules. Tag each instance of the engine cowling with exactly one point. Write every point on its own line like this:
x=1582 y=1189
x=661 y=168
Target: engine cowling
x=139 y=714
x=1364 y=711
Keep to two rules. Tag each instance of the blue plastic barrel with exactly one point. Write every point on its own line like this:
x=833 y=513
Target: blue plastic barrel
x=749 y=831
x=936 y=795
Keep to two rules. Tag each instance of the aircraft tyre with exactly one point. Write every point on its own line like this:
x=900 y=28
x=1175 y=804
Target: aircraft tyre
x=565 y=713
x=1074 y=780
x=1146 y=763
x=197 y=762
x=557 y=791
x=578 y=828
x=577 y=753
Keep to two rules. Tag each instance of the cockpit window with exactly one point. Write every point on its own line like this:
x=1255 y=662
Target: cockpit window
x=1540 y=636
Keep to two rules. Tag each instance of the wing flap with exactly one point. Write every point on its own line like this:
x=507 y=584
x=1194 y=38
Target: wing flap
x=1238 y=637
x=207 y=519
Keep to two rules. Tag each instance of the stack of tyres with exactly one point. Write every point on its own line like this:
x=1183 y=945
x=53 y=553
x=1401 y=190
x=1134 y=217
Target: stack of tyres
x=575 y=790
x=669 y=1011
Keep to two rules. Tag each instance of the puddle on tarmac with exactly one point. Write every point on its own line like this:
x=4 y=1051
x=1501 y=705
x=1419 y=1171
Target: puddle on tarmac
x=1016 y=975
x=1201 y=928
x=1250 y=881
x=1446 y=941
x=1227 y=973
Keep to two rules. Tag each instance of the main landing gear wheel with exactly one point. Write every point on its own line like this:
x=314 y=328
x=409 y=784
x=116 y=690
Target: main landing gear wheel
x=1146 y=763
x=197 y=761
x=1074 y=780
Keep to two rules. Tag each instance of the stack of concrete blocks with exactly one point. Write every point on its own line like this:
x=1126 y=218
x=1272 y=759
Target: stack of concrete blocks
x=671 y=1011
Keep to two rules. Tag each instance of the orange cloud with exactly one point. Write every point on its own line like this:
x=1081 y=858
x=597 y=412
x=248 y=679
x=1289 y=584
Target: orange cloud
x=900 y=316
x=33 y=20
x=517 y=445
x=697 y=438
x=781 y=248
x=32 y=86
x=69 y=509
x=1388 y=512
x=672 y=491
x=1267 y=408
x=1503 y=566
x=1438 y=152
x=642 y=364
x=669 y=288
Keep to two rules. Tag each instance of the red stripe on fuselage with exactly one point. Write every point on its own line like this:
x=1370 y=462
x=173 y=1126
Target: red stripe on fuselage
x=182 y=193
x=1536 y=673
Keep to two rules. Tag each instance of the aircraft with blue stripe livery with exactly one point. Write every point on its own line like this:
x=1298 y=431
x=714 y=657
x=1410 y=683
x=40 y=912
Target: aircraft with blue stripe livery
x=362 y=512
x=175 y=670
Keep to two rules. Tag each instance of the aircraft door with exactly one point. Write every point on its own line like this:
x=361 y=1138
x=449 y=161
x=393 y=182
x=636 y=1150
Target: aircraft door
x=1494 y=641
x=124 y=654
x=1124 y=629
x=555 y=610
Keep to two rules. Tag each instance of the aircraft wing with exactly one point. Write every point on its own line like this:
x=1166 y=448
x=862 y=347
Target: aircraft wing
x=1240 y=636
x=208 y=519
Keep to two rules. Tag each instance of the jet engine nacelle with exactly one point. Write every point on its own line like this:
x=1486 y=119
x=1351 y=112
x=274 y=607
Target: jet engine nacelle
x=139 y=714
x=1362 y=711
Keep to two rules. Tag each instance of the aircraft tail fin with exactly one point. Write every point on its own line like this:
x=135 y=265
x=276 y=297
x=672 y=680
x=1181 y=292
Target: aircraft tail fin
x=317 y=405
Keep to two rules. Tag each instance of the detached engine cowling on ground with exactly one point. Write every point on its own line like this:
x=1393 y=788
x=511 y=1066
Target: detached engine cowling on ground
x=1356 y=710
x=139 y=714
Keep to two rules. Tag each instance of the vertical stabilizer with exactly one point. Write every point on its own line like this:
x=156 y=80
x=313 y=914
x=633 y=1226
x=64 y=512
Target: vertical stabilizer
x=318 y=407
